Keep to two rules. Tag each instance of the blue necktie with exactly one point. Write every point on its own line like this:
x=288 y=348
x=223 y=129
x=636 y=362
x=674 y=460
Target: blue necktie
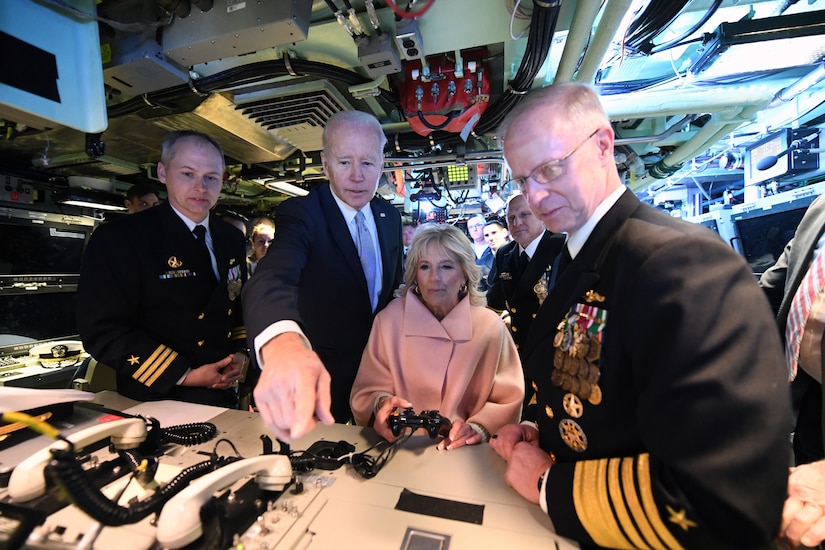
x=366 y=252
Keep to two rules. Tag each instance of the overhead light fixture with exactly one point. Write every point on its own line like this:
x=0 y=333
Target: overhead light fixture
x=286 y=188
x=765 y=44
x=92 y=204
x=97 y=200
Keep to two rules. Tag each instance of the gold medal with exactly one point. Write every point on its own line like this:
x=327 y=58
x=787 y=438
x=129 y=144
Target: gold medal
x=558 y=339
x=594 y=349
x=585 y=388
x=558 y=358
x=566 y=382
x=593 y=374
x=584 y=369
x=573 y=435
x=595 y=395
x=573 y=405
x=234 y=289
x=575 y=384
x=556 y=377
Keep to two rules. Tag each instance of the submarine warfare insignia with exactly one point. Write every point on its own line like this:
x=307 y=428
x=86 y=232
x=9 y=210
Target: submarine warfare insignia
x=173 y=262
x=578 y=344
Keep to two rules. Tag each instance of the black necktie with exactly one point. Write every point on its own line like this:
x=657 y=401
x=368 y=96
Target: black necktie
x=523 y=260
x=203 y=250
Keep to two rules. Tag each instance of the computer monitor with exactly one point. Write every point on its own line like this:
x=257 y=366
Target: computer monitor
x=40 y=259
x=38 y=249
x=763 y=233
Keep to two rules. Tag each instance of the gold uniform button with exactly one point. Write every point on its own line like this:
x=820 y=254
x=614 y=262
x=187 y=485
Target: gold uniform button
x=514 y=329
x=229 y=334
x=548 y=410
x=516 y=346
x=201 y=343
x=229 y=313
x=512 y=310
x=534 y=316
x=201 y=315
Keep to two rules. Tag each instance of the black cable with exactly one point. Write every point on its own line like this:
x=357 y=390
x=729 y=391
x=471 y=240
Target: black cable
x=654 y=19
x=540 y=38
x=189 y=434
x=428 y=124
x=651 y=48
x=368 y=466
x=68 y=474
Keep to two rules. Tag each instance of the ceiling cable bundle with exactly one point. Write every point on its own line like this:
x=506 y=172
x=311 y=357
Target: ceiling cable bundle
x=542 y=27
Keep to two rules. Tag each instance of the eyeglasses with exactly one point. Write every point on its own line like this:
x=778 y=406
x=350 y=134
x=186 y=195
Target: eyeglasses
x=551 y=169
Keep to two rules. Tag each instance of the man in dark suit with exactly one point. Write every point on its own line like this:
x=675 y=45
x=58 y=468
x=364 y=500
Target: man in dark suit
x=804 y=517
x=310 y=305
x=519 y=275
x=159 y=302
x=663 y=411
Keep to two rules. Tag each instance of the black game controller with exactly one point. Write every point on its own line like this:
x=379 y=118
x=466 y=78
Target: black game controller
x=434 y=423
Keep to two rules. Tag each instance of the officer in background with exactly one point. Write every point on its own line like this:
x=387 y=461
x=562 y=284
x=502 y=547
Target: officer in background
x=518 y=279
x=158 y=297
x=140 y=197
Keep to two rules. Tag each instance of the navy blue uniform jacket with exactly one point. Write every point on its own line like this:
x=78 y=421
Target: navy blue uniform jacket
x=150 y=311
x=687 y=444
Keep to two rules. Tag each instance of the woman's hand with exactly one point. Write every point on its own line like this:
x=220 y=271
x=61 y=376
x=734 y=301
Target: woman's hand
x=385 y=407
x=461 y=433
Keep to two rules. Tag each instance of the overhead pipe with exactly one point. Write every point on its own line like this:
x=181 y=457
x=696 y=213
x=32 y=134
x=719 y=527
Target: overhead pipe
x=646 y=104
x=612 y=17
x=719 y=126
x=794 y=89
x=687 y=119
x=578 y=36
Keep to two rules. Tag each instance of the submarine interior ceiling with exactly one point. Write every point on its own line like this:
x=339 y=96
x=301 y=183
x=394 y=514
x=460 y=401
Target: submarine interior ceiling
x=700 y=92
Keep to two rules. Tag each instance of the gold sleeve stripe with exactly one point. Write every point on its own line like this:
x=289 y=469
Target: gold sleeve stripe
x=635 y=505
x=146 y=364
x=238 y=333
x=159 y=370
x=155 y=365
x=152 y=364
x=652 y=512
x=618 y=501
x=590 y=499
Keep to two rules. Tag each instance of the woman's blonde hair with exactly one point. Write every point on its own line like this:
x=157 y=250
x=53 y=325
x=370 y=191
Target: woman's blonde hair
x=451 y=240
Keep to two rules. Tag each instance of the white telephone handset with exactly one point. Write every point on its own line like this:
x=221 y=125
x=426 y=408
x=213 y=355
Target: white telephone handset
x=179 y=523
x=28 y=481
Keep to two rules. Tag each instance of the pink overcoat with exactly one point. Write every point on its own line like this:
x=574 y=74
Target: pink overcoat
x=465 y=366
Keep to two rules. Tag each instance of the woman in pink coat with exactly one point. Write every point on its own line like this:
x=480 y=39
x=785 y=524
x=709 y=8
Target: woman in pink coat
x=437 y=347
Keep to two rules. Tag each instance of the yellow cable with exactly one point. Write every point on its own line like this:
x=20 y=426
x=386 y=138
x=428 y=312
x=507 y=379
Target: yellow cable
x=33 y=423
